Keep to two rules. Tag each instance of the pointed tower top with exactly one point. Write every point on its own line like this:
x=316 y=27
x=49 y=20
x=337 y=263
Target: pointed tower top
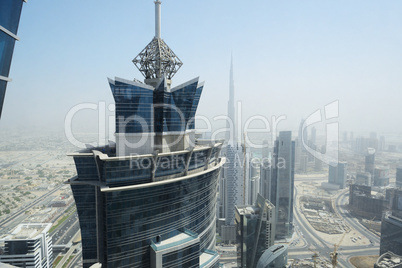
x=157 y=59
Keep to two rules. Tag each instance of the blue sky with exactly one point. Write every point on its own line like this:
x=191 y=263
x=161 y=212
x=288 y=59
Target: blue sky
x=290 y=57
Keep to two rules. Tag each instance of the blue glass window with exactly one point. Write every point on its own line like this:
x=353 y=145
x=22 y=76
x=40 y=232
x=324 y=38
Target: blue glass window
x=3 y=86
x=6 y=53
x=134 y=106
x=10 y=11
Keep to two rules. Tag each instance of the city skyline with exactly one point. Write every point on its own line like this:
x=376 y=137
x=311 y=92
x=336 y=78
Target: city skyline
x=347 y=52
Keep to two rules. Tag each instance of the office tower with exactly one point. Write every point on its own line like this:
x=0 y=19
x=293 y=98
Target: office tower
x=337 y=174
x=399 y=176
x=391 y=234
x=282 y=183
x=370 y=161
x=235 y=191
x=265 y=178
x=9 y=21
x=253 y=189
x=381 y=176
x=29 y=245
x=150 y=200
x=274 y=257
x=363 y=178
x=255 y=231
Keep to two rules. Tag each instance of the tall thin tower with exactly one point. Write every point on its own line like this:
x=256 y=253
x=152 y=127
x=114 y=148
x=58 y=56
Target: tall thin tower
x=234 y=180
x=231 y=137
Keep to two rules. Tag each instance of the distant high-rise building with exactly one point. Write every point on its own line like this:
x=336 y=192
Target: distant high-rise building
x=29 y=245
x=282 y=183
x=363 y=178
x=399 y=176
x=235 y=192
x=265 y=178
x=337 y=174
x=9 y=21
x=150 y=200
x=253 y=189
x=255 y=231
x=391 y=234
x=236 y=171
x=381 y=144
x=274 y=257
x=370 y=161
x=381 y=176
x=313 y=135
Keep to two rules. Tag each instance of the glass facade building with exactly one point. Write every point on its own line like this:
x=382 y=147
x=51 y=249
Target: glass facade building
x=10 y=12
x=255 y=231
x=274 y=257
x=282 y=183
x=149 y=200
x=391 y=235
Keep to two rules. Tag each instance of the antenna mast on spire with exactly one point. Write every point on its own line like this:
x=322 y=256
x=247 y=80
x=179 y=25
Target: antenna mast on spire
x=158 y=18
x=157 y=60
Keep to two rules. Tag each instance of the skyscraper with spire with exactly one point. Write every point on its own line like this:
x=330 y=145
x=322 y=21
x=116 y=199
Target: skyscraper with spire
x=150 y=199
x=235 y=191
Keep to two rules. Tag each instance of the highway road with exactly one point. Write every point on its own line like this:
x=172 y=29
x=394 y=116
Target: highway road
x=315 y=243
x=340 y=204
x=65 y=230
x=5 y=225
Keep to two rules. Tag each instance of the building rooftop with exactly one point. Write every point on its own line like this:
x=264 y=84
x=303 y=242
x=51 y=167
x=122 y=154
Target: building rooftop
x=28 y=231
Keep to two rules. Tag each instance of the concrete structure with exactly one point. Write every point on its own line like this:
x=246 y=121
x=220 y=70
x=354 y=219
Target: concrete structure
x=391 y=234
x=381 y=176
x=282 y=183
x=274 y=257
x=337 y=174
x=389 y=260
x=29 y=245
x=363 y=178
x=152 y=195
x=255 y=227
x=9 y=21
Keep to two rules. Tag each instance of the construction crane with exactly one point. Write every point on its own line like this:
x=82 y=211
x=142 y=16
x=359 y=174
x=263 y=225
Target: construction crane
x=334 y=255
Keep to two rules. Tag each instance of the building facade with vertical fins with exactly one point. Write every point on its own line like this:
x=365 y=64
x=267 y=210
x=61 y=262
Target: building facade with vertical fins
x=282 y=183
x=10 y=12
x=150 y=199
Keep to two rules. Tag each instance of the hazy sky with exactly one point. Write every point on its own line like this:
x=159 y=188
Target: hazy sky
x=290 y=57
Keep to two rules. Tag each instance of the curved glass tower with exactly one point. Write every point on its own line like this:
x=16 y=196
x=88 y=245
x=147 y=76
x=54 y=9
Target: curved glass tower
x=10 y=12
x=150 y=199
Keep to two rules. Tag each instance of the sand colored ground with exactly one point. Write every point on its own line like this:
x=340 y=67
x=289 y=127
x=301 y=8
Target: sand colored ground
x=363 y=261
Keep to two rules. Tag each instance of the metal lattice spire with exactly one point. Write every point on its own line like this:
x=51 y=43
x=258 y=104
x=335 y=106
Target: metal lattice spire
x=157 y=59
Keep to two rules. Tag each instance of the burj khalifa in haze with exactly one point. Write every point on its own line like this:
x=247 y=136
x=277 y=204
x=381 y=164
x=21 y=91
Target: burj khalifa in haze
x=150 y=199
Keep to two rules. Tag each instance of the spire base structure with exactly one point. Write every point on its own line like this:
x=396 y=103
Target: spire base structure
x=157 y=60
